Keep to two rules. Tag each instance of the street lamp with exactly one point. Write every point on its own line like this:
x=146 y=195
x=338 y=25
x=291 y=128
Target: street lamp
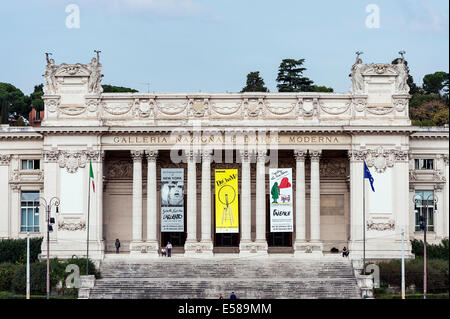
x=54 y=201
x=424 y=225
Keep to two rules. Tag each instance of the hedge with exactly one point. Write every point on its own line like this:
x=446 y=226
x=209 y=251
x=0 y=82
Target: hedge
x=440 y=251
x=437 y=274
x=15 y=250
x=7 y=271
x=13 y=276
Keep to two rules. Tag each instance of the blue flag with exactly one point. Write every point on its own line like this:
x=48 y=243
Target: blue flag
x=368 y=175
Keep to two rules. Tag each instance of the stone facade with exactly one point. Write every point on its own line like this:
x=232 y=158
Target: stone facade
x=129 y=137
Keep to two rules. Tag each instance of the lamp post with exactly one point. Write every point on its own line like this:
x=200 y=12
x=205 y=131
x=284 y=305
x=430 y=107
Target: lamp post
x=54 y=201
x=425 y=226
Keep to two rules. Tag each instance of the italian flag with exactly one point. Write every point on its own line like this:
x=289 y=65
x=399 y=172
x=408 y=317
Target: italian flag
x=91 y=176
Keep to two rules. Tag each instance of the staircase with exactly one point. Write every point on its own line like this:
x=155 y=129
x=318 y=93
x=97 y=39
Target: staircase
x=249 y=278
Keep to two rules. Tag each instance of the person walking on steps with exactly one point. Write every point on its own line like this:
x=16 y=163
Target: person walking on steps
x=169 y=249
x=117 y=244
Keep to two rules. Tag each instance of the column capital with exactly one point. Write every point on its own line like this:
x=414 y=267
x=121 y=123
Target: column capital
x=245 y=155
x=5 y=159
x=357 y=155
x=315 y=155
x=206 y=154
x=151 y=155
x=191 y=155
x=51 y=156
x=300 y=155
x=261 y=155
x=137 y=155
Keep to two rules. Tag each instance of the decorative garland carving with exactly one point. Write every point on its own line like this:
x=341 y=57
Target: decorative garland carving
x=62 y=225
x=389 y=225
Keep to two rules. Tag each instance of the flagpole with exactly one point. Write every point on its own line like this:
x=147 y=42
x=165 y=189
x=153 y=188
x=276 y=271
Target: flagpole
x=364 y=226
x=89 y=208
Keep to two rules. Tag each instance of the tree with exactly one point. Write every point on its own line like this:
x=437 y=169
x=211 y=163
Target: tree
x=36 y=97
x=4 y=112
x=117 y=89
x=290 y=77
x=434 y=83
x=254 y=83
x=430 y=113
x=17 y=102
x=317 y=88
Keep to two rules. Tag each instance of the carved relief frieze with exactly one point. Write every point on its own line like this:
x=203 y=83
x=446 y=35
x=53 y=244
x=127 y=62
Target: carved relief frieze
x=380 y=159
x=388 y=225
x=5 y=159
x=117 y=108
x=52 y=104
x=72 y=160
x=253 y=108
x=334 y=109
x=71 y=226
x=119 y=169
x=334 y=167
x=143 y=108
x=199 y=107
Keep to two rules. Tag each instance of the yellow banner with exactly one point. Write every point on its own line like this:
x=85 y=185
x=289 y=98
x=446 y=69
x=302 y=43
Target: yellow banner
x=227 y=207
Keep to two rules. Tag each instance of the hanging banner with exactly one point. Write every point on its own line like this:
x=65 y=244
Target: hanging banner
x=281 y=208
x=227 y=208
x=172 y=200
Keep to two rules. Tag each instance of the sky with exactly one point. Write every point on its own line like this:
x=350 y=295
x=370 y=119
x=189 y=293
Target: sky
x=211 y=45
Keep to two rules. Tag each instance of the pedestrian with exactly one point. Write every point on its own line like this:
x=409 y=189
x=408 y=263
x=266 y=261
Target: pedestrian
x=233 y=296
x=117 y=244
x=345 y=252
x=169 y=249
x=220 y=296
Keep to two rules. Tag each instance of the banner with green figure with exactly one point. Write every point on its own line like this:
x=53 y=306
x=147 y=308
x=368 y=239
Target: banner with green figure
x=281 y=208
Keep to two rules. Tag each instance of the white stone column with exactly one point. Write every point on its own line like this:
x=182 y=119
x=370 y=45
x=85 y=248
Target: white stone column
x=4 y=196
x=261 y=241
x=402 y=198
x=316 y=244
x=300 y=207
x=446 y=197
x=99 y=201
x=152 y=203
x=191 y=226
x=356 y=202
x=136 y=244
x=246 y=204
x=206 y=242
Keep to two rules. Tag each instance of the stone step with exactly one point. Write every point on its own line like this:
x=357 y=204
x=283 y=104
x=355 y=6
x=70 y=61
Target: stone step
x=165 y=278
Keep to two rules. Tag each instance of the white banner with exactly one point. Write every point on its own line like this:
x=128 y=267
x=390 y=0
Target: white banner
x=172 y=200
x=281 y=199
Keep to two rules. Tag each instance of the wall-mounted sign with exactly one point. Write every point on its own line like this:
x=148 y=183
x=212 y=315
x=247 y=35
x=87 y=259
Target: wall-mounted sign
x=227 y=199
x=172 y=200
x=281 y=208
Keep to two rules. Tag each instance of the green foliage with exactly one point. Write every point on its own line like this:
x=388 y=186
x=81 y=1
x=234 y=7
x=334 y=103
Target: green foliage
x=317 y=88
x=38 y=278
x=437 y=274
x=254 y=83
x=440 y=251
x=36 y=97
x=17 y=102
x=7 y=271
x=290 y=77
x=435 y=82
x=117 y=89
x=81 y=263
x=13 y=276
x=434 y=112
x=13 y=250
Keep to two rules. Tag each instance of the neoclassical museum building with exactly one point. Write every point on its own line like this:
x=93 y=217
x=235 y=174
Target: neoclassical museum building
x=244 y=174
